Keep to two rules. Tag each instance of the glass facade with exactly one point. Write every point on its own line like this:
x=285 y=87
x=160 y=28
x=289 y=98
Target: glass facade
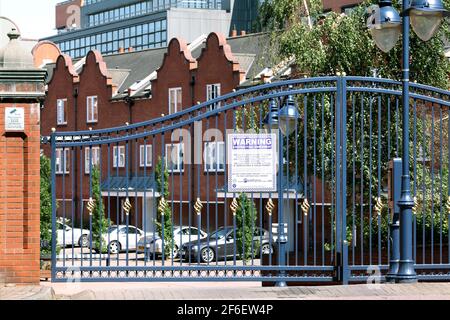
x=145 y=7
x=143 y=36
x=107 y=36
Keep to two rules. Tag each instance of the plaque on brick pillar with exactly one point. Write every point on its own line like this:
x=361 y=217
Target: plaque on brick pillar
x=14 y=119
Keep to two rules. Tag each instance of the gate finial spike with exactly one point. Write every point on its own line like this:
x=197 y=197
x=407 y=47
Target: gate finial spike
x=270 y=206
x=305 y=207
x=127 y=206
x=198 y=207
x=91 y=206
x=234 y=206
x=162 y=206
x=378 y=206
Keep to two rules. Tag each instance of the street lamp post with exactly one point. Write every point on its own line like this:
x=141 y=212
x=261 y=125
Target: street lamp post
x=425 y=17
x=286 y=121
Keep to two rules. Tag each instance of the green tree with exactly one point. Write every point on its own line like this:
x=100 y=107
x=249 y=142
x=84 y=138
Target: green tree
x=342 y=43
x=245 y=228
x=99 y=221
x=325 y=44
x=46 y=206
x=162 y=184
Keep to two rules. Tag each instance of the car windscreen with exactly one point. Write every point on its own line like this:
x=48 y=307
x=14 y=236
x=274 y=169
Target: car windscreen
x=220 y=233
x=112 y=229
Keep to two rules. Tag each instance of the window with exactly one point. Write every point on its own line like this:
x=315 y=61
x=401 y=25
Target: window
x=95 y=158
x=92 y=109
x=61 y=118
x=119 y=157
x=62 y=161
x=174 y=157
x=174 y=100
x=146 y=156
x=194 y=232
x=214 y=156
x=213 y=92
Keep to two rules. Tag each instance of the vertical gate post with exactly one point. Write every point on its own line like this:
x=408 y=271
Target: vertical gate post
x=395 y=168
x=53 y=177
x=342 y=271
x=282 y=239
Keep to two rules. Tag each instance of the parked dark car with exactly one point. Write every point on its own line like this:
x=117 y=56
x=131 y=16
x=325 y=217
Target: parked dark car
x=220 y=244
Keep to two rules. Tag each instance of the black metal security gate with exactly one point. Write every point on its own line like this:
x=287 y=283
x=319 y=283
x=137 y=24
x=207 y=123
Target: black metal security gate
x=115 y=190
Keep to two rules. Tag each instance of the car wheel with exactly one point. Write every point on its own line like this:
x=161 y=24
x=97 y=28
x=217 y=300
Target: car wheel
x=266 y=249
x=114 y=247
x=84 y=241
x=207 y=255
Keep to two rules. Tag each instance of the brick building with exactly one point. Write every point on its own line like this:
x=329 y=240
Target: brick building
x=101 y=92
x=131 y=87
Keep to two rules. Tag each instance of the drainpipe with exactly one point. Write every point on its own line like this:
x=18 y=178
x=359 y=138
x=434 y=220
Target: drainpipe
x=75 y=166
x=193 y=139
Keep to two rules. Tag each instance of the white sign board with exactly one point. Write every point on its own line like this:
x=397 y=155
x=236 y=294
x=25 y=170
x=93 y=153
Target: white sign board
x=252 y=162
x=14 y=119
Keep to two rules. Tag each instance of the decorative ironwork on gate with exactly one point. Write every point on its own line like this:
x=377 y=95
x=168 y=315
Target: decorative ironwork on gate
x=150 y=201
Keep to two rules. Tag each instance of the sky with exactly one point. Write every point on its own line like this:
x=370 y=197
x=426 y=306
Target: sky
x=35 y=18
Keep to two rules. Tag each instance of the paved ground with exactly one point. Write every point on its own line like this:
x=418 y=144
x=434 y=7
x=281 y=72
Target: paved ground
x=10 y=292
x=223 y=291
x=246 y=291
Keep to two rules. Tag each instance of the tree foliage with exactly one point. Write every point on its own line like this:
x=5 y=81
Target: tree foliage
x=342 y=43
x=164 y=224
x=245 y=227
x=99 y=221
x=46 y=206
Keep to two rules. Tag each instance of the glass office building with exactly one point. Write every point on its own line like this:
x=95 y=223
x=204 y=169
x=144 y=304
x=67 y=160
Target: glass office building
x=109 y=25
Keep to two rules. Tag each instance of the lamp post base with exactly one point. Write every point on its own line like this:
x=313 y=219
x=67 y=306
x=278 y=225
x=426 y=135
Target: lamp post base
x=391 y=276
x=406 y=272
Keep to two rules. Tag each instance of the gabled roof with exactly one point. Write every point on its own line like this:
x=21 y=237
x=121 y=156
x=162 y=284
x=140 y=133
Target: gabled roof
x=133 y=72
x=140 y=64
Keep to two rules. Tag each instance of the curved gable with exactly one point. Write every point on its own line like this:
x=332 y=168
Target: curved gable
x=64 y=64
x=178 y=47
x=95 y=58
x=217 y=41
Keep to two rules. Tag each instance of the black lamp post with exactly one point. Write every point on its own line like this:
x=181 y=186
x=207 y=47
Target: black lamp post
x=425 y=16
x=286 y=120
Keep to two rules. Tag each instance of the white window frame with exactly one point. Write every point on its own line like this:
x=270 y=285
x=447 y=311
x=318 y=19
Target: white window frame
x=210 y=161
x=121 y=162
x=148 y=155
x=59 y=161
x=180 y=161
x=213 y=91
x=61 y=108
x=177 y=105
x=95 y=158
x=92 y=109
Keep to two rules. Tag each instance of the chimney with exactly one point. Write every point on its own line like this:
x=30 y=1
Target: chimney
x=243 y=32
x=265 y=78
x=234 y=32
x=130 y=49
x=121 y=50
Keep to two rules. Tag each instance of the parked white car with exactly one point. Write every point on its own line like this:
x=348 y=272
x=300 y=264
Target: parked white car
x=122 y=237
x=68 y=236
x=153 y=245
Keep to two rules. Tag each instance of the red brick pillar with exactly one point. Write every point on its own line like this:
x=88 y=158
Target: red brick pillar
x=21 y=90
